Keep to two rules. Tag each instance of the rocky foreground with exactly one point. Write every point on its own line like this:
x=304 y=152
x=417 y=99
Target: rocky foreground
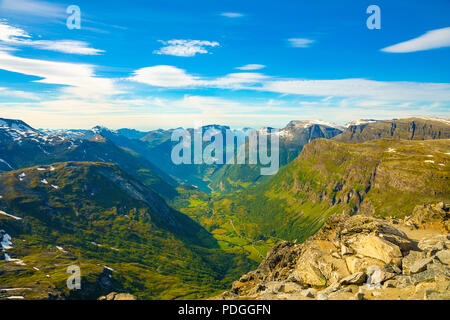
x=359 y=257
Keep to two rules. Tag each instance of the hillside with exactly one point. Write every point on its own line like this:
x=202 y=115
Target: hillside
x=382 y=177
x=408 y=129
x=121 y=233
x=293 y=138
x=22 y=146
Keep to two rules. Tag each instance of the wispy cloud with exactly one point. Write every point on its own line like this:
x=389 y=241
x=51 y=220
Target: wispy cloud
x=433 y=39
x=232 y=14
x=300 y=42
x=11 y=93
x=164 y=76
x=33 y=8
x=390 y=90
x=14 y=36
x=173 y=77
x=80 y=79
x=185 y=48
x=249 y=67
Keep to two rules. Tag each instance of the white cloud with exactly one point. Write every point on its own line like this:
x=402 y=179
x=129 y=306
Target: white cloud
x=185 y=48
x=391 y=90
x=172 y=77
x=10 y=93
x=232 y=14
x=300 y=42
x=67 y=46
x=156 y=112
x=250 y=67
x=164 y=76
x=80 y=78
x=239 y=80
x=14 y=36
x=433 y=39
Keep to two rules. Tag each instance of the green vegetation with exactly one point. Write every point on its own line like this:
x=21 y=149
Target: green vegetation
x=103 y=217
x=383 y=177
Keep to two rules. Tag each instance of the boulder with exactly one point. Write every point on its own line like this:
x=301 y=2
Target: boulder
x=378 y=248
x=420 y=265
x=118 y=296
x=356 y=264
x=309 y=293
x=357 y=279
x=444 y=256
x=435 y=244
x=411 y=259
x=321 y=296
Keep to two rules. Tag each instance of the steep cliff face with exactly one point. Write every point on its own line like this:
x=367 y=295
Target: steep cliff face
x=408 y=129
x=358 y=257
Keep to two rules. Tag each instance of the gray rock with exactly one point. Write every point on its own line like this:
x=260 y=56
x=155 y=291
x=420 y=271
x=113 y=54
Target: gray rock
x=340 y=291
x=403 y=281
x=434 y=270
x=308 y=293
x=434 y=244
x=444 y=256
x=346 y=250
x=357 y=278
x=411 y=259
x=390 y=284
x=420 y=265
x=333 y=288
x=359 y=296
x=436 y=295
x=321 y=296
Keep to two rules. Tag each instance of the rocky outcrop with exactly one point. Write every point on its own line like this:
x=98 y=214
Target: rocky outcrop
x=118 y=296
x=424 y=216
x=352 y=257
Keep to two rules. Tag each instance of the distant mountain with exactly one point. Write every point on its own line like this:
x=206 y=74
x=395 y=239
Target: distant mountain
x=121 y=234
x=158 y=149
x=132 y=133
x=408 y=129
x=292 y=139
x=156 y=146
x=15 y=126
x=22 y=146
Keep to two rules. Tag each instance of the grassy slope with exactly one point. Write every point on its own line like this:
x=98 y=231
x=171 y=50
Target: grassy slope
x=330 y=177
x=101 y=221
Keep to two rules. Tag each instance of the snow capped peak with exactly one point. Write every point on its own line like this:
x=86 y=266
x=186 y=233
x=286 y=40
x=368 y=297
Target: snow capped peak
x=360 y=122
x=308 y=123
x=443 y=120
x=18 y=125
x=102 y=129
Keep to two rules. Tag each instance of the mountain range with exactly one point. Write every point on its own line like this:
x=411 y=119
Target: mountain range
x=113 y=202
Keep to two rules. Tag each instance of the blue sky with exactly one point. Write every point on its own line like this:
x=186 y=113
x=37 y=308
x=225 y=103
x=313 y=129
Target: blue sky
x=152 y=64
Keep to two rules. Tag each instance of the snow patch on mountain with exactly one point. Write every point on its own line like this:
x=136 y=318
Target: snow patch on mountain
x=3 y=213
x=9 y=166
x=360 y=122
